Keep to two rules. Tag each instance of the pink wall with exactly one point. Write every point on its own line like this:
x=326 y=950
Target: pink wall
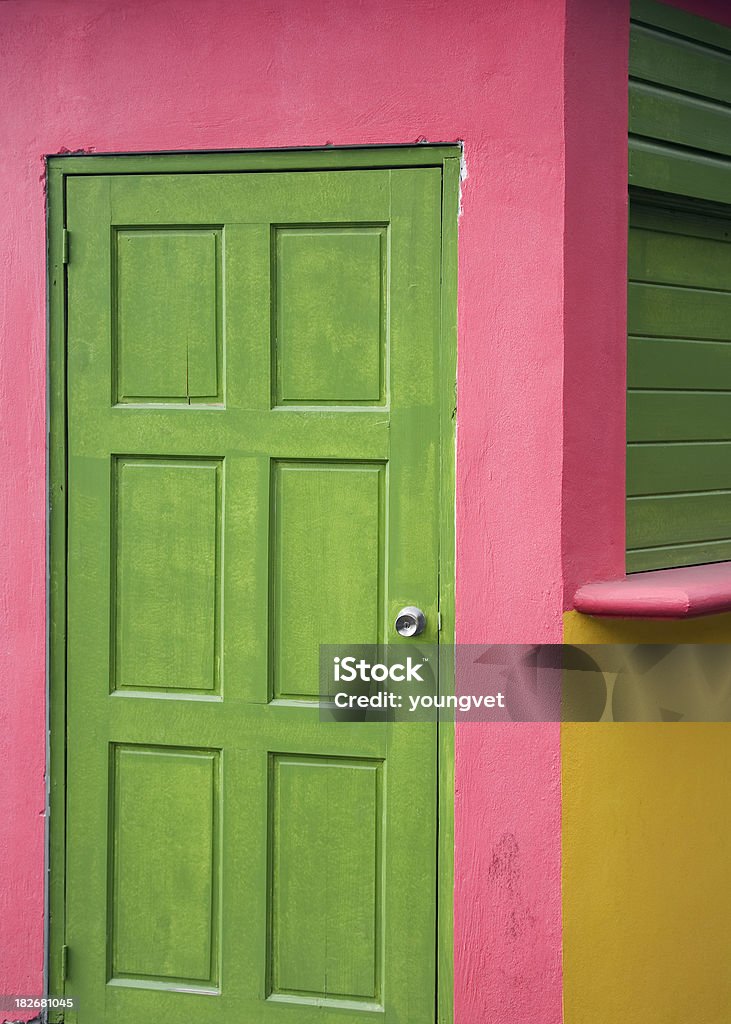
x=595 y=292
x=181 y=74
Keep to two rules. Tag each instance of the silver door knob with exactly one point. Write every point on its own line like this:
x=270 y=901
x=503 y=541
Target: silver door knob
x=410 y=621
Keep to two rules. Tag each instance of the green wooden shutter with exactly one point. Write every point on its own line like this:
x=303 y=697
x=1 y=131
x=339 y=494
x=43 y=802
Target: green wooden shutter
x=679 y=103
x=679 y=292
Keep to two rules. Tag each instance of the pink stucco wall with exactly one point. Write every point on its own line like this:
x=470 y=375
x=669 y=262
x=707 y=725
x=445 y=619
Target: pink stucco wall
x=595 y=289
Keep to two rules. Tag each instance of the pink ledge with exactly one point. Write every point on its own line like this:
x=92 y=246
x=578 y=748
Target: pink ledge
x=660 y=594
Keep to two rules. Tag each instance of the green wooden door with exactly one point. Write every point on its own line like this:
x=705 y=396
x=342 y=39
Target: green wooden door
x=253 y=470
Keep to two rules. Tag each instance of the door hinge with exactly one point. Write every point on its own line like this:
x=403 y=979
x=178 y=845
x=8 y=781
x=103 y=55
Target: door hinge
x=65 y=246
x=439 y=622
x=64 y=963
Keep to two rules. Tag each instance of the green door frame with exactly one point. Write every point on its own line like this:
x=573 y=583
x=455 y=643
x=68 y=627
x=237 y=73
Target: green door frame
x=59 y=169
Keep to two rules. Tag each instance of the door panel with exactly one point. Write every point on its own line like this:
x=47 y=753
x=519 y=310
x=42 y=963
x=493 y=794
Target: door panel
x=167 y=321
x=165 y=804
x=253 y=470
x=310 y=543
x=166 y=555
x=326 y=894
x=331 y=308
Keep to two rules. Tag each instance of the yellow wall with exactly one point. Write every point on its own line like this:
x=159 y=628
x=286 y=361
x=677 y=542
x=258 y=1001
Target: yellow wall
x=586 y=629
x=647 y=856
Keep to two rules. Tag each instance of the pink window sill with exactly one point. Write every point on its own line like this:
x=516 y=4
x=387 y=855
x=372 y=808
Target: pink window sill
x=660 y=594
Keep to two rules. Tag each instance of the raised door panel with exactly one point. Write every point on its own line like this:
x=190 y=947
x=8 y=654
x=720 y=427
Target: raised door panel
x=167 y=324
x=164 y=870
x=326 y=888
x=166 y=555
x=330 y=315
x=328 y=557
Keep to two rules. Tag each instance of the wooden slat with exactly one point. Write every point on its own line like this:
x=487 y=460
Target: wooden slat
x=678 y=416
x=665 y=258
x=684 y=172
x=684 y=217
x=678 y=519
x=668 y=468
x=679 y=63
x=674 y=312
x=672 y=556
x=679 y=364
x=660 y=113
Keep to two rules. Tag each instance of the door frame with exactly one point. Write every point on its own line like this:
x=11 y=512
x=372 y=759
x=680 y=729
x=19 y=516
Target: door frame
x=448 y=158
